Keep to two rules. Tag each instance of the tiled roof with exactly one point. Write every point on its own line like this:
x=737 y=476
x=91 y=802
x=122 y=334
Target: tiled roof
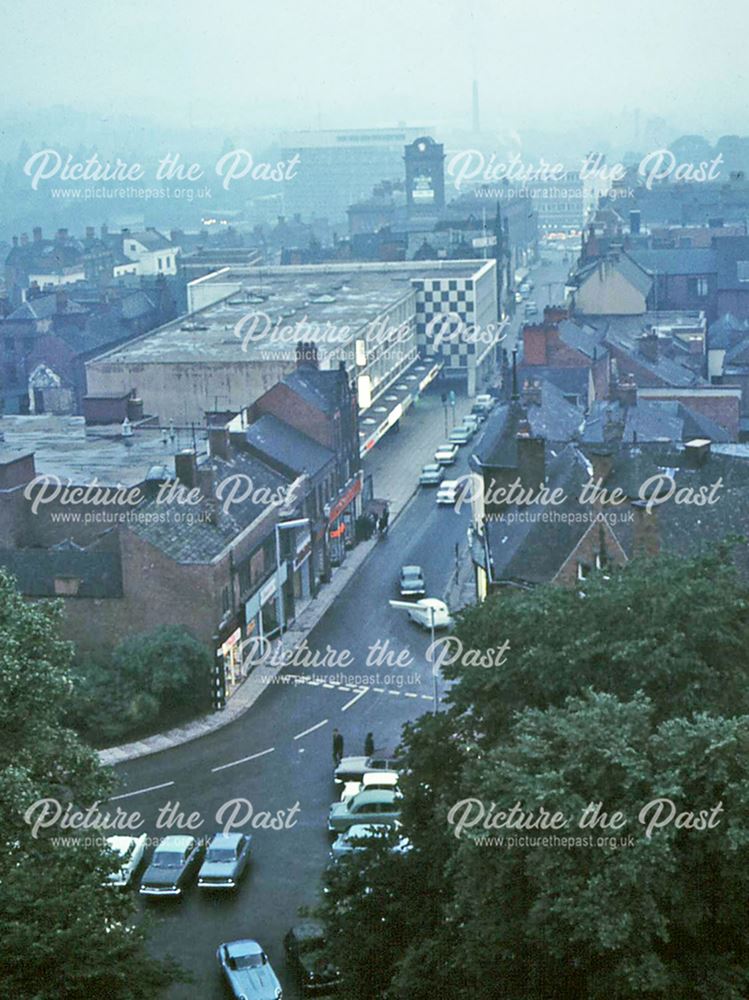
x=99 y=571
x=683 y=260
x=319 y=388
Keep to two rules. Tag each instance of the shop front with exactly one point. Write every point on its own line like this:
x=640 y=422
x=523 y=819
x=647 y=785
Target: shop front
x=261 y=611
x=229 y=655
x=341 y=521
x=302 y=566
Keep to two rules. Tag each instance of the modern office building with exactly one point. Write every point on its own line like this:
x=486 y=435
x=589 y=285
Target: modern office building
x=338 y=167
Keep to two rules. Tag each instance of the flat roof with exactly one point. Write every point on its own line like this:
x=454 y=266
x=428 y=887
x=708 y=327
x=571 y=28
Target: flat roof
x=63 y=446
x=285 y=305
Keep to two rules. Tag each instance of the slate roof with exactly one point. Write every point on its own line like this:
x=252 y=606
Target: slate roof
x=571 y=381
x=150 y=238
x=319 y=388
x=45 y=307
x=682 y=260
x=99 y=570
x=726 y=332
x=284 y=445
x=555 y=419
x=582 y=337
x=211 y=529
x=728 y=251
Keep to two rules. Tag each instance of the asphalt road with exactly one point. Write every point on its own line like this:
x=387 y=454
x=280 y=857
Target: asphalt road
x=290 y=730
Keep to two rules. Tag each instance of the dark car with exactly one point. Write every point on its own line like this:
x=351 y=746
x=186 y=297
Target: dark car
x=172 y=865
x=432 y=474
x=304 y=946
x=412 y=581
x=249 y=974
x=226 y=860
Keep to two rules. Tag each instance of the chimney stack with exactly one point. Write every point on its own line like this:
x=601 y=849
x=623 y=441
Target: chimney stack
x=634 y=222
x=61 y=300
x=186 y=467
x=62 y=235
x=697 y=452
x=218 y=442
x=306 y=354
x=90 y=233
x=648 y=344
x=625 y=390
x=37 y=234
x=24 y=239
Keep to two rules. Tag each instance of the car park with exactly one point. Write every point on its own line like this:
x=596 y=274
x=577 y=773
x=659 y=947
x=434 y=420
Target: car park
x=304 y=945
x=369 y=806
x=460 y=435
x=370 y=779
x=412 y=581
x=226 y=859
x=428 y=610
x=247 y=971
x=173 y=863
x=130 y=851
x=448 y=491
x=431 y=474
x=446 y=453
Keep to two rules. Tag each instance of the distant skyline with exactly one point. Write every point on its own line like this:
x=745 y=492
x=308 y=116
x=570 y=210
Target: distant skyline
x=241 y=65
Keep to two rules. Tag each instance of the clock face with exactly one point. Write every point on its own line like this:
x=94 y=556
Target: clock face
x=421 y=147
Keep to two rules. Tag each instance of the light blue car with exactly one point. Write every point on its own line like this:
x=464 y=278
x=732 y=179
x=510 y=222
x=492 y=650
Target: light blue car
x=247 y=971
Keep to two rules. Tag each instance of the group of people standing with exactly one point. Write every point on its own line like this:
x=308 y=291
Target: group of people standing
x=369 y=746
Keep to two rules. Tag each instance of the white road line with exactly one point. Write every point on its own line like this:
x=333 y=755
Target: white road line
x=396 y=693
x=329 y=686
x=310 y=730
x=140 y=791
x=427 y=697
x=410 y=694
x=344 y=688
x=243 y=760
x=354 y=699
x=379 y=690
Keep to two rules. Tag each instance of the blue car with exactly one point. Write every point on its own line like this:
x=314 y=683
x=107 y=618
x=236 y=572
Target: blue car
x=248 y=972
x=226 y=860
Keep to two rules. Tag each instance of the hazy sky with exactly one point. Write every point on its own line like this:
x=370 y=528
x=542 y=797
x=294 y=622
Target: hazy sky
x=289 y=64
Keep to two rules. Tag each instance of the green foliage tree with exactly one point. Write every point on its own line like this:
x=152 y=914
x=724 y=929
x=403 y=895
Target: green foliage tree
x=160 y=675
x=634 y=690
x=65 y=936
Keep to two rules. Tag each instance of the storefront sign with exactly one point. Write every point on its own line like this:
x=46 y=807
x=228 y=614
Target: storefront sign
x=303 y=549
x=338 y=508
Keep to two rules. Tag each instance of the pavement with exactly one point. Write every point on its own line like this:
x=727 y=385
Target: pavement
x=394 y=465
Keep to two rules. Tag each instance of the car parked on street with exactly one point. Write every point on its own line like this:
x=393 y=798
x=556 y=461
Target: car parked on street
x=305 y=944
x=226 y=860
x=354 y=768
x=531 y=309
x=376 y=806
x=446 y=453
x=412 y=581
x=358 y=836
x=431 y=474
x=130 y=851
x=247 y=971
x=460 y=435
x=386 y=780
x=173 y=863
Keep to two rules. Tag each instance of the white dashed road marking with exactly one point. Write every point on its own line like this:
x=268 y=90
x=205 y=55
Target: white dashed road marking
x=311 y=729
x=354 y=699
x=141 y=791
x=243 y=760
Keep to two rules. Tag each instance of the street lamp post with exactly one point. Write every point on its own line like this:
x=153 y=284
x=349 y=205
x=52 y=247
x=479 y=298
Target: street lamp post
x=296 y=523
x=405 y=605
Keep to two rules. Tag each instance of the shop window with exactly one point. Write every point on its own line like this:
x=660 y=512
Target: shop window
x=67 y=586
x=225 y=601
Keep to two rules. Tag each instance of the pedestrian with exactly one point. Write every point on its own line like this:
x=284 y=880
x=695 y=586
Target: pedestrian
x=337 y=747
x=386 y=517
x=369 y=746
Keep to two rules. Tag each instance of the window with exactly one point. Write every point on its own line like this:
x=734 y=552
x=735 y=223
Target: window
x=225 y=600
x=697 y=287
x=133 y=248
x=67 y=586
x=583 y=570
x=159 y=263
x=742 y=270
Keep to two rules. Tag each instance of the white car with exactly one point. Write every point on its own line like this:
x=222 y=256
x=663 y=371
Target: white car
x=356 y=837
x=460 y=435
x=430 y=610
x=385 y=780
x=131 y=851
x=448 y=491
x=446 y=453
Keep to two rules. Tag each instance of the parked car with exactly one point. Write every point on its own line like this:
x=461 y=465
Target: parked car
x=354 y=768
x=460 y=435
x=431 y=474
x=304 y=946
x=412 y=581
x=428 y=607
x=376 y=806
x=531 y=308
x=474 y=421
x=248 y=973
x=226 y=860
x=448 y=491
x=370 y=779
x=130 y=851
x=357 y=837
x=446 y=453
x=172 y=864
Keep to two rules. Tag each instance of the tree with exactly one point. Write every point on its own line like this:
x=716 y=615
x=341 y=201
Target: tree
x=629 y=692
x=65 y=936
